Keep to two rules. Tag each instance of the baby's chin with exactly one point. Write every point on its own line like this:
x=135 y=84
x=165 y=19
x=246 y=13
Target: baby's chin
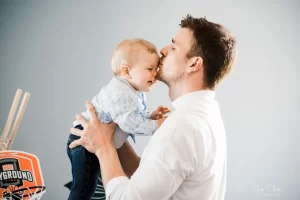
x=147 y=89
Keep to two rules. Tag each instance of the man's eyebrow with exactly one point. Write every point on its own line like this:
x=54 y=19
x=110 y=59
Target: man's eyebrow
x=175 y=42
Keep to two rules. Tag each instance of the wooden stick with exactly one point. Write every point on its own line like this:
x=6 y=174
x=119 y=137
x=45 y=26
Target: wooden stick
x=18 y=119
x=10 y=118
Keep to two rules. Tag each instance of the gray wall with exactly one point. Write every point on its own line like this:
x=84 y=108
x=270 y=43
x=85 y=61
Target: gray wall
x=60 y=52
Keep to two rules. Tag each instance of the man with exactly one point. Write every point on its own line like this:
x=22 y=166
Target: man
x=186 y=157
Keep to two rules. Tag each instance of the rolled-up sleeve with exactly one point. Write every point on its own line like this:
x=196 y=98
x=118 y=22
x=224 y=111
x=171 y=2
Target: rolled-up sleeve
x=165 y=164
x=125 y=112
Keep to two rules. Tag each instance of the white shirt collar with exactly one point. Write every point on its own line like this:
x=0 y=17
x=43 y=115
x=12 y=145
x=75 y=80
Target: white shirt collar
x=193 y=97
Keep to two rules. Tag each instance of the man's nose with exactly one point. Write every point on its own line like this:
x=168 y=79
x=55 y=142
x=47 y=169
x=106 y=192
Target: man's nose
x=163 y=52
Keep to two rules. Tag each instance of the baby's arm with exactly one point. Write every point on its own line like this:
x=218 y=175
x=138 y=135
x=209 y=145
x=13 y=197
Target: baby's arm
x=125 y=112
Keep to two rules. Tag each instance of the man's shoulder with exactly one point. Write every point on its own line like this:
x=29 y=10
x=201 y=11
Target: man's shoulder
x=178 y=137
x=180 y=127
x=190 y=121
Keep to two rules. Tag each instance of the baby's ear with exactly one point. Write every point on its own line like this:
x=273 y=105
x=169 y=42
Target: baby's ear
x=124 y=71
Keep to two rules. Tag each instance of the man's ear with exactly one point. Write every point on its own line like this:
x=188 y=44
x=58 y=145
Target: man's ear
x=195 y=64
x=125 y=71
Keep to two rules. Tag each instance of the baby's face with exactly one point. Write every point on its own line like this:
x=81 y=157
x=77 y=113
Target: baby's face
x=143 y=71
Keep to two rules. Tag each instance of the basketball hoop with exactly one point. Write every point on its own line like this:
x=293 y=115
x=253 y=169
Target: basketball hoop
x=34 y=193
x=20 y=172
x=20 y=176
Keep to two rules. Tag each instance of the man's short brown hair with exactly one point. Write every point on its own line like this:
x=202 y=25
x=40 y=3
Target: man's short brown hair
x=215 y=45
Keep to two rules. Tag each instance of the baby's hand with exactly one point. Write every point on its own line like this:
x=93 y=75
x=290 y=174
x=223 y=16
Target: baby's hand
x=159 y=113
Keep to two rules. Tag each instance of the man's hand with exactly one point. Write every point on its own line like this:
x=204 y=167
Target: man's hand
x=96 y=136
x=159 y=113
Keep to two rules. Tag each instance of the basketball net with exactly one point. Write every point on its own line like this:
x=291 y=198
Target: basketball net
x=21 y=195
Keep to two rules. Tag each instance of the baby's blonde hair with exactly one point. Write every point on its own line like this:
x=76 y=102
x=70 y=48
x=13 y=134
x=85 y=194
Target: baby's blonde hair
x=125 y=52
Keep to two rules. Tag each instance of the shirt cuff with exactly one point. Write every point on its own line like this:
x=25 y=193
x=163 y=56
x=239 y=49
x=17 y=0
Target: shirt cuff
x=113 y=184
x=147 y=115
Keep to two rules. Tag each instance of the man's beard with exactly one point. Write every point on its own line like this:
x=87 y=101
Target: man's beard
x=161 y=77
x=169 y=81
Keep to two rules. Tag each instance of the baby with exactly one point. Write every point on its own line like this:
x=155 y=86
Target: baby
x=123 y=101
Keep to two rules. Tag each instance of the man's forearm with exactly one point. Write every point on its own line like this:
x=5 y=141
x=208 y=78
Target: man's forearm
x=110 y=164
x=128 y=158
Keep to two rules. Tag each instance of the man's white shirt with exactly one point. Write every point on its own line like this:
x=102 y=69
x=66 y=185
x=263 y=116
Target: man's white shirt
x=185 y=158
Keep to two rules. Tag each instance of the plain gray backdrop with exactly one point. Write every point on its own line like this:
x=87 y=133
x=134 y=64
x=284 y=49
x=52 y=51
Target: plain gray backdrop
x=60 y=52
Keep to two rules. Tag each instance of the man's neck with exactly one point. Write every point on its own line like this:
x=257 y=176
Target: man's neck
x=179 y=89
